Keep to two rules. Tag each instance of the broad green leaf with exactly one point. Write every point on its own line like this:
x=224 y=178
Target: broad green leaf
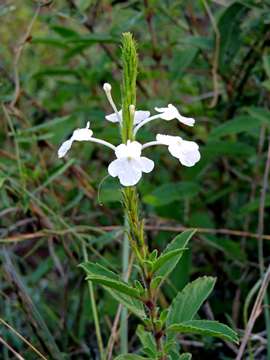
x=181 y=60
x=261 y=114
x=229 y=25
x=188 y=301
x=168 y=256
x=170 y=192
x=230 y=248
x=214 y=149
x=206 y=328
x=242 y=123
x=253 y=206
x=185 y=356
x=179 y=242
x=101 y=275
x=148 y=342
x=200 y=42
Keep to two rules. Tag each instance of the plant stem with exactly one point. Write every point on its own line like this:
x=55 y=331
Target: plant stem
x=124 y=313
x=135 y=226
x=260 y=243
x=94 y=309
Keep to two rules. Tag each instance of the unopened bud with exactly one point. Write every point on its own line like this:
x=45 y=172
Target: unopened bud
x=107 y=87
x=132 y=109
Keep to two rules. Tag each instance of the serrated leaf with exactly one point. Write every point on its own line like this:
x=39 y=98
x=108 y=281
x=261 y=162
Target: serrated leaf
x=179 y=242
x=147 y=340
x=206 y=328
x=188 y=301
x=133 y=305
x=101 y=275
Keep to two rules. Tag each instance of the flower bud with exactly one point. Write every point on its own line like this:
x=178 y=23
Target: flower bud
x=107 y=87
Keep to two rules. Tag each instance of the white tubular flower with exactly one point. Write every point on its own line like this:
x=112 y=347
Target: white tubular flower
x=84 y=134
x=187 y=152
x=171 y=112
x=139 y=116
x=130 y=165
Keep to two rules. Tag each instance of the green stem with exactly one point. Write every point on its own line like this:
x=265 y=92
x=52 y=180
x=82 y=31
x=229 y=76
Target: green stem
x=124 y=313
x=135 y=234
x=94 y=309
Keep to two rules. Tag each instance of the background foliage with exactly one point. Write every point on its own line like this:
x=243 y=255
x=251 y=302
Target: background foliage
x=212 y=60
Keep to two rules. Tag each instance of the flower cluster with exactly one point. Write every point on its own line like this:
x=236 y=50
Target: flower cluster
x=129 y=164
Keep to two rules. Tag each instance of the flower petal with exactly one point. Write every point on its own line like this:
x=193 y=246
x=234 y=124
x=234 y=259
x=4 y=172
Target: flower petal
x=186 y=120
x=64 y=148
x=190 y=159
x=186 y=151
x=140 y=115
x=134 y=149
x=127 y=173
x=121 y=151
x=167 y=139
x=147 y=165
x=114 y=117
x=82 y=134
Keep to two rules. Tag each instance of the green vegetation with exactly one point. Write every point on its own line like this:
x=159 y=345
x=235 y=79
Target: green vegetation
x=211 y=59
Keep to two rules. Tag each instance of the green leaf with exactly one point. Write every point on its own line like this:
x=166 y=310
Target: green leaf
x=170 y=192
x=101 y=275
x=133 y=305
x=179 y=242
x=229 y=26
x=164 y=258
x=188 y=301
x=148 y=342
x=185 y=356
x=242 y=123
x=206 y=328
x=261 y=114
x=214 y=149
x=232 y=249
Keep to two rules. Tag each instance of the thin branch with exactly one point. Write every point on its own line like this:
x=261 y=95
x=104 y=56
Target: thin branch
x=254 y=314
x=17 y=355
x=23 y=339
x=262 y=210
x=170 y=228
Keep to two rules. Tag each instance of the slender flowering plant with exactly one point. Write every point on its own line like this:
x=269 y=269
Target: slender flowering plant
x=159 y=326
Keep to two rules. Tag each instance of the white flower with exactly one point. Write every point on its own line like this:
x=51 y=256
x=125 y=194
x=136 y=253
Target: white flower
x=186 y=151
x=129 y=165
x=170 y=112
x=78 y=135
x=139 y=116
